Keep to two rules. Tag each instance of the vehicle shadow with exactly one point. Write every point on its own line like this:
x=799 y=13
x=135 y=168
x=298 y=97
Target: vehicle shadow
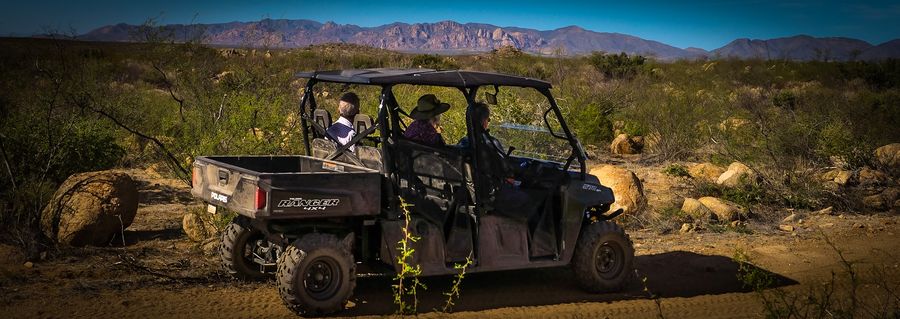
x=671 y=274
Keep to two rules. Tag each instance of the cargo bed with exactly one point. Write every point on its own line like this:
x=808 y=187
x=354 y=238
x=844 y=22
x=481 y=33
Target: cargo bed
x=276 y=187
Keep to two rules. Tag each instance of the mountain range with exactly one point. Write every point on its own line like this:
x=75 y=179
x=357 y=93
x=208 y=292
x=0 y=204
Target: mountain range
x=450 y=37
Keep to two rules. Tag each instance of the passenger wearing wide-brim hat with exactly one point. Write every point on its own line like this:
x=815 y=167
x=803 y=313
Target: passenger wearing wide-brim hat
x=427 y=115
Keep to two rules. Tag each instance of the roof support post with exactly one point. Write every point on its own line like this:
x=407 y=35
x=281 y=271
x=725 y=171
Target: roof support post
x=304 y=127
x=577 y=151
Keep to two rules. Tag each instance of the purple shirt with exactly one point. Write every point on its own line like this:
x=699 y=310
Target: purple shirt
x=423 y=132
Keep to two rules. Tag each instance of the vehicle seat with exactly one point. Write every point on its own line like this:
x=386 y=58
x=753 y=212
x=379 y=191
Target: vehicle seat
x=321 y=147
x=370 y=157
x=362 y=122
x=322 y=117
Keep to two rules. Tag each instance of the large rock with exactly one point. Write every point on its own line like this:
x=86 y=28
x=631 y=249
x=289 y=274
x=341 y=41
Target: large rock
x=697 y=210
x=706 y=171
x=625 y=185
x=736 y=174
x=874 y=202
x=885 y=200
x=888 y=157
x=871 y=177
x=197 y=227
x=624 y=144
x=839 y=176
x=724 y=210
x=90 y=208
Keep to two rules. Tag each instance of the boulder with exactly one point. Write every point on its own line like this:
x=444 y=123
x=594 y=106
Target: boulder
x=888 y=157
x=871 y=177
x=839 y=176
x=697 y=210
x=196 y=227
x=626 y=187
x=211 y=246
x=624 y=144
x=885 y=200
x=843 y=177
x=686 y=228
x=874 y=202
x=793 y=217
x=90 y=208
x=706 y=171
x=736 y=174
x=621 y=145
x=724 y=210
x=825 y=211
x=891 y=194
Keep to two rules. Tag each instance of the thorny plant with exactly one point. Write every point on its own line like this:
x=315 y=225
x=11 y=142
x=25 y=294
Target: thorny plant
x=829 y=300
x=408 y=277
x=453 y=294
x=657 y=300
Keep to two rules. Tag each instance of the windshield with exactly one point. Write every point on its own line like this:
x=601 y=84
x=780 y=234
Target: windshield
x=522 y=119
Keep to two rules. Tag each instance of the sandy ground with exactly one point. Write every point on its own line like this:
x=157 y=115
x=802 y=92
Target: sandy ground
x=158 y=272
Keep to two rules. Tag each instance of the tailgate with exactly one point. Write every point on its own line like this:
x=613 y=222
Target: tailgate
x=225 y=186
x=287 y=186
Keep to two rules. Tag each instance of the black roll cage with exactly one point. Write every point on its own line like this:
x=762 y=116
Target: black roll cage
x=389 y=111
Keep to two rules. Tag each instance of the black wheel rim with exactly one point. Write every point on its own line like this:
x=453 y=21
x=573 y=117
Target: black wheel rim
x=609 y=260
x=322 y=278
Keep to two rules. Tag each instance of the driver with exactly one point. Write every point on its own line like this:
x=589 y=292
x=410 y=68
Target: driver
x=483 y=115
x=508 y=199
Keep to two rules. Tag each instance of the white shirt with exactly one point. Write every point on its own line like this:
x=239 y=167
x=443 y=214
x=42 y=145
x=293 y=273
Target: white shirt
x=343 y=131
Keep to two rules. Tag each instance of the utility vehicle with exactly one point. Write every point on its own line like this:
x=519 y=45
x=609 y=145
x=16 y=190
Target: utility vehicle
x=315 y=221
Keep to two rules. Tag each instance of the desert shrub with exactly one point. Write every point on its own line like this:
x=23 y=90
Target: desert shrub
x=617 y=66
x=432 y=61
x=521 y=64
x=785 y=99
x=836 y=139
x=880 y=75
x=746 y=194
x=676 y=170
x=663 y=220
x=669 y=119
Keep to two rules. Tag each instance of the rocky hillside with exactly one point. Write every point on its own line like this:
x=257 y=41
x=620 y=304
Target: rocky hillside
x=801 y=47
x=450 y=37
x=440 y=37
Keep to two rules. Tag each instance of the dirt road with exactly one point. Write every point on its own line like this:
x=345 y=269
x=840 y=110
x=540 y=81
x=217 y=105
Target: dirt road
x=159 y=273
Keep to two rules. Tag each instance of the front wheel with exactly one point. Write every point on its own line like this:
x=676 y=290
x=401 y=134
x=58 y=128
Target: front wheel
x=604 y=258
x=316 y=275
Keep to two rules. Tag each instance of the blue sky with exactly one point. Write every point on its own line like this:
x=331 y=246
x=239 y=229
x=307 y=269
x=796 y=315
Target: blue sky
x=705 y=24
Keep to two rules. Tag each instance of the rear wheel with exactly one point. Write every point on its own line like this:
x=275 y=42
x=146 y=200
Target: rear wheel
x=245 y=252
x=604 y=258
x=316 y=275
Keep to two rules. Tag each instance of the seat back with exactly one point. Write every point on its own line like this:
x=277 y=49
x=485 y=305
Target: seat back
x=322 y=117
x=361 y=122
x=321 y=147
x=370 y=157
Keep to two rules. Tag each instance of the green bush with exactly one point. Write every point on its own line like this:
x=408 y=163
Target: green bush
x=617 y=66
x=676 y=170
x=431 y=61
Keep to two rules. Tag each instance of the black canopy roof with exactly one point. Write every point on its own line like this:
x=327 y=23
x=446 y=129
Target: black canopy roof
x=453 y=78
